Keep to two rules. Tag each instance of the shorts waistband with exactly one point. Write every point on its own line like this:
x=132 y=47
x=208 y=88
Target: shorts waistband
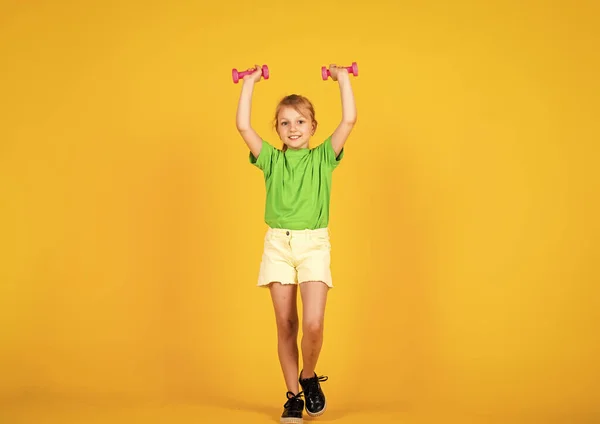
x=306 y=232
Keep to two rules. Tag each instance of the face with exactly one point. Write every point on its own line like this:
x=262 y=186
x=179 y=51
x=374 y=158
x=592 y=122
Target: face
x=294 y=129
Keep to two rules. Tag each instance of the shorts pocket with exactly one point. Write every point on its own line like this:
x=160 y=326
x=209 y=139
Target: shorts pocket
x=321 y=241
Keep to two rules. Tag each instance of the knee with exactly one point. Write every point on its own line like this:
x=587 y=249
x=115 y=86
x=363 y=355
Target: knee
x=287 y=328
x=313 y=328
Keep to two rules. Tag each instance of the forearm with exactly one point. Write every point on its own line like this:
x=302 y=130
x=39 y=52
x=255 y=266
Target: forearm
x=252 y=139
x=348 y=103
x=245 y=106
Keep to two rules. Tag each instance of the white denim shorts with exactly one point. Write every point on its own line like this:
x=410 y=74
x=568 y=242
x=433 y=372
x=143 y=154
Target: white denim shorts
x=296 y=256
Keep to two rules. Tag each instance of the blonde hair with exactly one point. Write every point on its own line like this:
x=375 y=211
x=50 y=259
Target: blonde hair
x=301 y=104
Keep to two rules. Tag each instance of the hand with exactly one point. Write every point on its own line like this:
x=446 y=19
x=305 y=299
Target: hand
x=336 y=71
x=256 y=75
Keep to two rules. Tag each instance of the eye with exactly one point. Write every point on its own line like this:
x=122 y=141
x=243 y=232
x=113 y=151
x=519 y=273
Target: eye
x=284 y=123
x=301 y=121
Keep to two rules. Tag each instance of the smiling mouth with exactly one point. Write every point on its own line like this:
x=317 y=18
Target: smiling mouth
x=294 y=137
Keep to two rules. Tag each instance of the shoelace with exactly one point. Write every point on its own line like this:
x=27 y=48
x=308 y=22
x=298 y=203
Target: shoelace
x=314 y=382
x=293 y=398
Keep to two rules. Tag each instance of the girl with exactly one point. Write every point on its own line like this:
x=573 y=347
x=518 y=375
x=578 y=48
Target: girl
x=296 y=245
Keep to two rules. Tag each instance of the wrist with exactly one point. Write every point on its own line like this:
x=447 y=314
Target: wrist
x=343 y=79
x=343 y=76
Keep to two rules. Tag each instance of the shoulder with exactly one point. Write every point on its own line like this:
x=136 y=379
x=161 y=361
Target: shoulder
x=268 y=154
x=325 y=152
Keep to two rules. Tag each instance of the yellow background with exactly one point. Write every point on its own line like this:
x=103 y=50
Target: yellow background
x=464 y=215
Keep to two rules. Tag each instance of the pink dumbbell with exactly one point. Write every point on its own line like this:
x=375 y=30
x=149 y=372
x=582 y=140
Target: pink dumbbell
x=351 y=69
x=239 y=75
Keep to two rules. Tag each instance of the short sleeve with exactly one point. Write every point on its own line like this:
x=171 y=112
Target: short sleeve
x=328 y=154
x=266 y=157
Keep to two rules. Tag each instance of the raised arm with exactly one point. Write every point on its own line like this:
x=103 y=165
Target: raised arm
x=252 y=139
x=341 y=133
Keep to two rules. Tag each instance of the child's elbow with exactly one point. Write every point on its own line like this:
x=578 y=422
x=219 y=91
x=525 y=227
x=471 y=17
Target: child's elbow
x=350 y=120
x=242 y=127
x=351 y=117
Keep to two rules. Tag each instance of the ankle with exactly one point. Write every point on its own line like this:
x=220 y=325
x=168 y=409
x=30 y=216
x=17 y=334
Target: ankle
x=306 y=375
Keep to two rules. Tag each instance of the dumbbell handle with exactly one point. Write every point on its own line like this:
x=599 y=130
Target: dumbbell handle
x=239 y=75
x=325 y=73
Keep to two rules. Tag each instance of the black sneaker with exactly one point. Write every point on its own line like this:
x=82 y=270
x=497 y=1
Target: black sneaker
x=292 y=410
x=315 y=399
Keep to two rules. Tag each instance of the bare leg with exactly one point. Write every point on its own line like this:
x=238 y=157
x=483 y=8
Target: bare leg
x=314 y=298
x=286 y=315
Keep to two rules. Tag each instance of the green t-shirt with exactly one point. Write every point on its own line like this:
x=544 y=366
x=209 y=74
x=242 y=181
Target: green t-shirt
x=298 y=185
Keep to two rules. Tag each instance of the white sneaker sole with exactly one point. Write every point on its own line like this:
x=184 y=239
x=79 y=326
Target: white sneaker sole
x=291 y=421
x=318 y=414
